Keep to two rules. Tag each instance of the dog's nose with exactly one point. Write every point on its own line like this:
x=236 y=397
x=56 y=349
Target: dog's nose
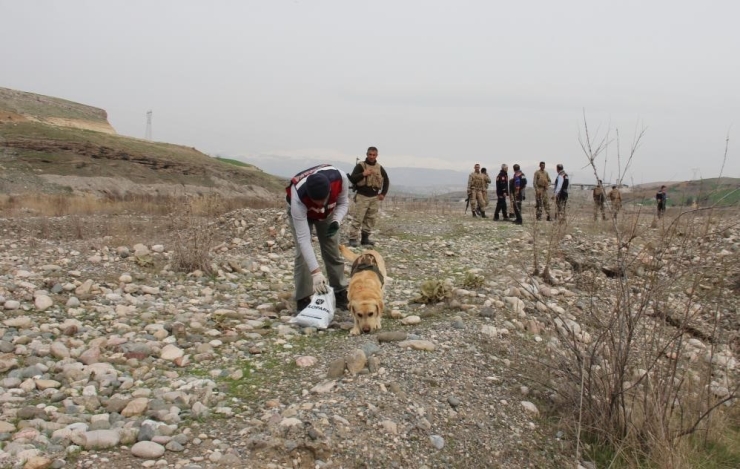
x=366 y=329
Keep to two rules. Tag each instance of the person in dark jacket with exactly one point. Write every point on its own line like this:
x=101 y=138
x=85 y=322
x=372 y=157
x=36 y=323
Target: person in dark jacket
x=502 y=192
x=661 y=197
x=518 y=183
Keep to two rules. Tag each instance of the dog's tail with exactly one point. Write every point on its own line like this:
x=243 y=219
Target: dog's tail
x=347 y=253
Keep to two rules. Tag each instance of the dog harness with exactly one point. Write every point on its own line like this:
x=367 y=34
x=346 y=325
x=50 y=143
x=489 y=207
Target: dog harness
x=366 y=262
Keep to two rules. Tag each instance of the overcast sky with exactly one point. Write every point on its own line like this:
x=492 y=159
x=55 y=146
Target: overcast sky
x=439 y=84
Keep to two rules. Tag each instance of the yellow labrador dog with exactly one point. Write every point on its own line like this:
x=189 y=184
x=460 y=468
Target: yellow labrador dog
x=365 y=291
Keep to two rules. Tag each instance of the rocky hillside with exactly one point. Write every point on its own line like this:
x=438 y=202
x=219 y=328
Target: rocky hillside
x=52 y=145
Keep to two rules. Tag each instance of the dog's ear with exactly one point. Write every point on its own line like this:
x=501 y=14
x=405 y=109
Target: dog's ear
x=351 y=308
x=380 y=306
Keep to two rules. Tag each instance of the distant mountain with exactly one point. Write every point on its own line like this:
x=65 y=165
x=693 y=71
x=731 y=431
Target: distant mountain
x=422 y=181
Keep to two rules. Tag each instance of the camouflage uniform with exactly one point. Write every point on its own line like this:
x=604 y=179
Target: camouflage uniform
x=476 y=190
x=599 y=199
x=367 y=203
x=615 y=197
x=488 y=181
x=541 y=186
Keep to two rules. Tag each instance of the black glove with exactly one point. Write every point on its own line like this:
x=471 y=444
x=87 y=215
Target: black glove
x=333 y=229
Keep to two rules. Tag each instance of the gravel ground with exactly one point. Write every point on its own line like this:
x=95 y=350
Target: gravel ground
x=108 y=357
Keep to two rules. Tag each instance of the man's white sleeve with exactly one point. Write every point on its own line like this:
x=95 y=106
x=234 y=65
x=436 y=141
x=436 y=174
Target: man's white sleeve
x=340 y=211
x=298 y=212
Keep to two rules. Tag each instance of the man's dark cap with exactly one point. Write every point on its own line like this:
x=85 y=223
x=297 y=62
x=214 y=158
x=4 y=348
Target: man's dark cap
x=317 y=186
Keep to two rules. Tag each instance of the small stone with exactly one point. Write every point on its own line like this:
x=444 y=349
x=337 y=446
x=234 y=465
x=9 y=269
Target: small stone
x=530 y=407
x=305 y=361
x=38 y=462
x=336 y=368
x=437 y=441
x=147 y=450
x=393 y=336
x=135 y=407
x=171 y=352
x=42 y=303
x=417 y=345
x=356 y=361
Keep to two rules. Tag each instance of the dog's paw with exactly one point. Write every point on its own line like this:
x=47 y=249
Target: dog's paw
x=354 y=331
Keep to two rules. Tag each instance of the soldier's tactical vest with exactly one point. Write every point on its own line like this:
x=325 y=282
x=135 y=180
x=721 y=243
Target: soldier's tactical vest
x=542 y=179
x=598 y=193
x=478 y=181
x=375 y=179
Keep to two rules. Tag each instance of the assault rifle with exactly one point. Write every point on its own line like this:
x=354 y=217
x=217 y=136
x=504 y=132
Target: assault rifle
x=467 y=204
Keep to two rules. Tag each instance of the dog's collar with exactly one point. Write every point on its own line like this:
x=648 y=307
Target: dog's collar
x=362 y=263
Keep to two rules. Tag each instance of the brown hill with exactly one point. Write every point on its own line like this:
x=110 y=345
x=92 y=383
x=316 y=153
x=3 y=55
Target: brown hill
x=53 y=145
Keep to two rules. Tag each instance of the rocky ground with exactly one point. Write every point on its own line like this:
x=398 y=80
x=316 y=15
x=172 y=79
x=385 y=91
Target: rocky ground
x=110 y=358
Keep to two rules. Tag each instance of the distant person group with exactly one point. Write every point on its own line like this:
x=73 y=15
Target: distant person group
x=513 y=190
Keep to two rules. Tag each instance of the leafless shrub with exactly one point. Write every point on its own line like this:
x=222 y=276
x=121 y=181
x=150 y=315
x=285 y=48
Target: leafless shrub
x=194 y=233
x=647 y=363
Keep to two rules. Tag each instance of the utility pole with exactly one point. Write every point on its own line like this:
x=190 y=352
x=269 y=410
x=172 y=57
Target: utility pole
x=148 y=134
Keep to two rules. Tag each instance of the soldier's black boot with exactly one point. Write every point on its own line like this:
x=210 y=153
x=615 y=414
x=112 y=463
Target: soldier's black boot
x=365 y=241
x=340 y=300
x=353 y=243
x=483 y=214
x=474 y=214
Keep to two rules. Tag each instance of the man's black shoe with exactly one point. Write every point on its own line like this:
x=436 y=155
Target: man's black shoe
x=302 y=303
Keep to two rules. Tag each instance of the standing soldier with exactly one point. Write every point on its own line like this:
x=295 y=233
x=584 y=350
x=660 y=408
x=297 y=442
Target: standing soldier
x=599 y=200
x=541 y=186
x=476 y=188
x=561 y=193
x=519 y=182
x=615 y=197
x=661 y=197
x=488 y=182
x=372 y=183
x=502 y=192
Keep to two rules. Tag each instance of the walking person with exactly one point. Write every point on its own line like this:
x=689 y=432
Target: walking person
x=371 y=182
x=519 y=182
x=488 y=183
x=502 y=192
x=662 y=198
x=599 y=201
x=318 y=199
x=476 y=188
x=615 y=198
x=541 y=187
x=561 y=193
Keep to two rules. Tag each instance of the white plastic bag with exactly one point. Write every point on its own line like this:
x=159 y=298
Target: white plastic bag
x=319 y=313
